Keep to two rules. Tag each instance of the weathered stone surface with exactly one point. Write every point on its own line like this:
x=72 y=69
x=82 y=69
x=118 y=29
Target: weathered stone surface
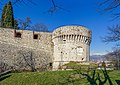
x=71 y=43
x=20 y=53
x=21 y=58
x=28 y=50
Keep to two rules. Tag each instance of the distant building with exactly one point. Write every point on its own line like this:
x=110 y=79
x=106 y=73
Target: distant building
x=108 y=65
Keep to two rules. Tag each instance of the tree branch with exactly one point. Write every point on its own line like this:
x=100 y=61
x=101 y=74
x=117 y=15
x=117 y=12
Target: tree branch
x=113 y=35
x=111 y=5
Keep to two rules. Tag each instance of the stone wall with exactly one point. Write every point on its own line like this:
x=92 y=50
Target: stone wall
x=43 y=41
x=28 y=50
x=25 y=52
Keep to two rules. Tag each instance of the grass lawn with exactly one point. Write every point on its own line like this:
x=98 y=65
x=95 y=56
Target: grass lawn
x=54 y=78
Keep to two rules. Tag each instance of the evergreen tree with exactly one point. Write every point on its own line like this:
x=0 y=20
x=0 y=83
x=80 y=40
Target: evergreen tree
x=9 y=18
x=15 y=24
x=3 y=16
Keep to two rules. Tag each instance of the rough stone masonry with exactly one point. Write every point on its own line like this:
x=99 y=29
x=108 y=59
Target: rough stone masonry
x=29 y=50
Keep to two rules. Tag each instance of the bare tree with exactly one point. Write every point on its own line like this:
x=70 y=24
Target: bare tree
x=3 y=64
x=39 y=27
x=111 y=5
x=25 y=61
x=113 y=35
x=52 y=9
x=23 y=24
x=16 y=2
x=115 y=57
x=30 y=60
x=55 y=7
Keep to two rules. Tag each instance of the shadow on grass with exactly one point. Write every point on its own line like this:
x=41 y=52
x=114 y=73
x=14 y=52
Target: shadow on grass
x=92 y=80
x=106 y=76
x=118 y=82
x=4 y=77
x=96 y=77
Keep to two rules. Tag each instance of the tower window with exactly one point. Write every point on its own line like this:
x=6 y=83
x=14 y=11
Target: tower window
x=50 y=64
x=64 y=40
x=18 y=34
x=82 y=58
x=79 y=51
x=35 y=36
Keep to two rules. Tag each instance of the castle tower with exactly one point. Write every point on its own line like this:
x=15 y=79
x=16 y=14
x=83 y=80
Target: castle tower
x=71 y=43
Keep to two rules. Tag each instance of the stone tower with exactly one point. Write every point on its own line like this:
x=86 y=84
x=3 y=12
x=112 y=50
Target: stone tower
x=71 y=43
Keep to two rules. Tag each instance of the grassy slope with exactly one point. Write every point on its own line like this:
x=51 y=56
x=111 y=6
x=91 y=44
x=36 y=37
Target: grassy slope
x=50 y=78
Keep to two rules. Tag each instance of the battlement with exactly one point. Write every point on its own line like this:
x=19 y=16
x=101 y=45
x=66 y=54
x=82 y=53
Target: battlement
x=72 y=33
x=37 y=40
x=72 y=30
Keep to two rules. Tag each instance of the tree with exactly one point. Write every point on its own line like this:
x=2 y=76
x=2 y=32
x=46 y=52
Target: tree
x=25 y=61
x=3 y=15
x=113 y=35
x=103 y=64
x=114 y=31
x=111 y=5
x=7 y=16
x=114 y=57
x=16 y=24
x=39 y=27
x=3 y=64
x=31 y=60
x=23 y=24
x=53 y=8
x=9 y=19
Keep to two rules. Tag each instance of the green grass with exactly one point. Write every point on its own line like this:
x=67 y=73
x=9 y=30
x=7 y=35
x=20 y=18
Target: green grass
x=73 y=64
x=54 y=78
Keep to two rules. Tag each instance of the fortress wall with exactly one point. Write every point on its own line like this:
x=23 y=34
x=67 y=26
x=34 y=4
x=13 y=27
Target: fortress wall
x=25 y=50
x=14 y=51
x=44 y=40
x=15 y=57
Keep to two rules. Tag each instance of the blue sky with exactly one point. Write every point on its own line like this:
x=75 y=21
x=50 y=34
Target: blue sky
x=80 y=12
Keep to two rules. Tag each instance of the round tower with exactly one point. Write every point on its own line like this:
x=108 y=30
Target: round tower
x=71 y=43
